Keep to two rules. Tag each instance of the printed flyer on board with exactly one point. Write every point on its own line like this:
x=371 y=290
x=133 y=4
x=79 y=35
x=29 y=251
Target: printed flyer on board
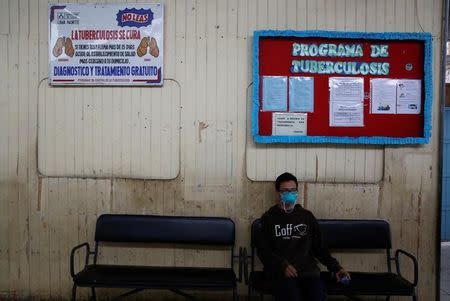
x=106 y=44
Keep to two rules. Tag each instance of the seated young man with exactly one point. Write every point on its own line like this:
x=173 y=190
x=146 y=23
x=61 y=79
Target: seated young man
x=289 y=245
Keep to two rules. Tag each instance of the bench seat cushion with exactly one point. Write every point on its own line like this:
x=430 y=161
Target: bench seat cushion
x=155 y=277
x=364 y=283
x=381 y=284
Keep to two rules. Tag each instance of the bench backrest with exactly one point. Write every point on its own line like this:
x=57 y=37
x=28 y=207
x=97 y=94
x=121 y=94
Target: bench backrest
x=348 y=234
x=165 y=229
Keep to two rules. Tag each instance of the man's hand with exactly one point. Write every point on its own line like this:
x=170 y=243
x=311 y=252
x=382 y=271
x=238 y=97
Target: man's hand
x=341 y=274
x=290 y=271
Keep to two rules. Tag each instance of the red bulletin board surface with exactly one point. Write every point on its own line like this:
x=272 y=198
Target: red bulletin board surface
x=275 y=59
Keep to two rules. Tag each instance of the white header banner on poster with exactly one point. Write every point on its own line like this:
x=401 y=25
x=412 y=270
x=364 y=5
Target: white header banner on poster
x=106 y=44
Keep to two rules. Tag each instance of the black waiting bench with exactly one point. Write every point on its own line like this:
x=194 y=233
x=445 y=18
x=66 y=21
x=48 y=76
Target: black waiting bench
x=120 y=230
x=354 y=235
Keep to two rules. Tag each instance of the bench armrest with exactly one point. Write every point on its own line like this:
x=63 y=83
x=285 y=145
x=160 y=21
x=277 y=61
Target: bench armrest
x=72 y=256
x=241 y=251
x=413 y=259
x=244 y=260
x=240 y=262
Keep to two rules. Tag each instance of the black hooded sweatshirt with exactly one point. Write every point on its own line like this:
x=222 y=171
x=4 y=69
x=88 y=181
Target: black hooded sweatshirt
x=292 y=238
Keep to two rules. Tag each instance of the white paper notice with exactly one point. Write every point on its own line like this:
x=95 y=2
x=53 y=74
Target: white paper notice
x=346 y=89
x=347 y=114
x=409 y=94
x=383 y=96
x=301 y=94
x=346 y=101
x=289 y=124
x=274 y=93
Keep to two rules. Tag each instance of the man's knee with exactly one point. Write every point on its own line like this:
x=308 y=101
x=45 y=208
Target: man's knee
x=313 y=289
x=288 y=283
x=287 y=289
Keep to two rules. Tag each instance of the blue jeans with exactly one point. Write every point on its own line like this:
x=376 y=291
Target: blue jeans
x=300 y=289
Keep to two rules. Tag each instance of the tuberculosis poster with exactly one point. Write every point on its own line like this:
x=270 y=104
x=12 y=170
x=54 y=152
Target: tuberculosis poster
x=106 y=44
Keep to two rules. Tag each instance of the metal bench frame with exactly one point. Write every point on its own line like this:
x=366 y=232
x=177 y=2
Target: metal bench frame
x=92 y=255
x=335 y=244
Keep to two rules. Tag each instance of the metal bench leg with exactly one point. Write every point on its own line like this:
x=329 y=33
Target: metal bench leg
x=132 y=292
x=354 y=298
x=94 y=295
x=185 y=295
x=74 y=292
x=351 y=297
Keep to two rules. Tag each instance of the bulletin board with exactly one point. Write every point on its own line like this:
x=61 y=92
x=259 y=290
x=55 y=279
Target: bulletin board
x=341 y=87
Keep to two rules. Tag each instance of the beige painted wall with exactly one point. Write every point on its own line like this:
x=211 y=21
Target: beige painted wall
x=208 y=61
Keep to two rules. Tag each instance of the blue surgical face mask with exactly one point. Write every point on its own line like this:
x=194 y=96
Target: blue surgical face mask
x=289 y=197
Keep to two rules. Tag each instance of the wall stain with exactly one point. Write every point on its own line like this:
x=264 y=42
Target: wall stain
x=201 y=126
x=305 y=195
x=39 y=194
x=317 y=168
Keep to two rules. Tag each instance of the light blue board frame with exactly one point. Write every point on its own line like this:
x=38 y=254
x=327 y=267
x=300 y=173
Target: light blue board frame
x=425 y=36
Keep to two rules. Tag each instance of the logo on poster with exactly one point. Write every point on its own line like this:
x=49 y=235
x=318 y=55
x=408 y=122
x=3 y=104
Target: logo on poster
x=68 y=17
x=134 y=17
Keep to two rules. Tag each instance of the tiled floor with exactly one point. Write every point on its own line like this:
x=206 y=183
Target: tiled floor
x=445 y=271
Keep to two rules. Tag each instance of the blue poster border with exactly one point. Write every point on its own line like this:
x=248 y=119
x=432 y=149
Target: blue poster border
x=426 y=37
